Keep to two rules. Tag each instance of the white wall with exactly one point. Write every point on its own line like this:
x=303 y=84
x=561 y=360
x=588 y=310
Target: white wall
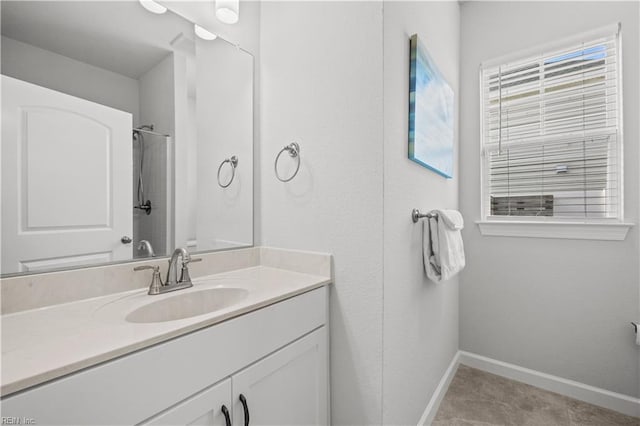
x=420 y=316
x=184 y=188
x=47 y=69
x=245 y=34
x=321 y=85
x=558 y=306
x=157 y=107
x=225 y=129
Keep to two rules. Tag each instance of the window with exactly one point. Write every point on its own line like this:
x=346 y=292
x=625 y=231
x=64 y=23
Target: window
x=552 y=134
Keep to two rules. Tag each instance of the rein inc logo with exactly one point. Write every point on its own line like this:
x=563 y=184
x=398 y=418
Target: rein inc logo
x=18 y=421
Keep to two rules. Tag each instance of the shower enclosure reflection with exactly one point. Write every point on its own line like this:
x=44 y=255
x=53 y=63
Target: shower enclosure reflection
x=77 y=187
x=143 y=203
x=150 y=230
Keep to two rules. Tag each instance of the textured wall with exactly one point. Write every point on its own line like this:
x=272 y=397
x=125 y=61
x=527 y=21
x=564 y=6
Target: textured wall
x=321 y=81
x=558 y=306
x=420 y=316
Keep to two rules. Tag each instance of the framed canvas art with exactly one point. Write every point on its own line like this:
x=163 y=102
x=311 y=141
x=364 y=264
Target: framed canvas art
x=431 y=114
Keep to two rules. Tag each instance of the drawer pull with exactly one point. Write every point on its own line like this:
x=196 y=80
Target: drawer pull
x=227 y=418
x=245 y=407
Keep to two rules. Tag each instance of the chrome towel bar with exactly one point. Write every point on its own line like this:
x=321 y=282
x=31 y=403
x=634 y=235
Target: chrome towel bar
x=416 y=215
x=150 y=132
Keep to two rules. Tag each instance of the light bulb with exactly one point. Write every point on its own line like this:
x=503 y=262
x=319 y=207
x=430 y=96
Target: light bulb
x=153 y=7
x=204 y=34
x=228 y=11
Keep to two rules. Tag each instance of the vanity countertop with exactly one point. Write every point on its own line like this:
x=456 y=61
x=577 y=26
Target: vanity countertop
x=42 y=344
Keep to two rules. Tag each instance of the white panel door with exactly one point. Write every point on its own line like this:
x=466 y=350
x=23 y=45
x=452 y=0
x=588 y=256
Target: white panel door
x=288 y=387
x=66 y=179
x=211 y=407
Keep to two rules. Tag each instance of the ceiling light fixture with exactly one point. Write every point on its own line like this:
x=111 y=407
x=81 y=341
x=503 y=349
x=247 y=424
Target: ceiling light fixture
x=228 y=11
x=153 y=7
x=204 y=34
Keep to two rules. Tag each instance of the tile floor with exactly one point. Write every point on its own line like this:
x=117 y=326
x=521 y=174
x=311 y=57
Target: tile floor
x=478 y=398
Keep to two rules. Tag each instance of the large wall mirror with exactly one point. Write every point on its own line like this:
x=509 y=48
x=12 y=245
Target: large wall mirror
x=125 y=134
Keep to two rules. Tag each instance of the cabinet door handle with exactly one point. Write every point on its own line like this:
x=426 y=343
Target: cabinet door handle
x=227 y=418
x=245 y=407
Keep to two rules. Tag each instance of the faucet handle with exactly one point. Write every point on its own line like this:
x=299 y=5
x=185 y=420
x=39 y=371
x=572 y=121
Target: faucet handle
x=184 y=273
x=156 y=280
x=144 y=267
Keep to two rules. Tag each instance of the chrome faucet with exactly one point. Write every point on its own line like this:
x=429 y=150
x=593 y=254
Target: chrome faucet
x=146 y=246
x=172 y=273
x=172 y=282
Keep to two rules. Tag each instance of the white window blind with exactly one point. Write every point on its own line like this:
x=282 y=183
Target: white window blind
x=551 y=132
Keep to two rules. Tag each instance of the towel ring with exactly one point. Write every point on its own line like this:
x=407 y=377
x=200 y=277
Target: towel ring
x=233 y=162
x=294 y=152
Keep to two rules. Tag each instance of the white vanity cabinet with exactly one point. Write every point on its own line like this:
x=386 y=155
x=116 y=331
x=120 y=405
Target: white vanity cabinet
x=207 y=408
x=288 y=387
x=275 y=356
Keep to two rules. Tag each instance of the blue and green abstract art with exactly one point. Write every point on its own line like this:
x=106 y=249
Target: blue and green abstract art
x=431 y=113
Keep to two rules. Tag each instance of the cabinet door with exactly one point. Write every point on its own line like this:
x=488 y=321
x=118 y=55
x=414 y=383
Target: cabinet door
x=202 y=409
x=288 y=387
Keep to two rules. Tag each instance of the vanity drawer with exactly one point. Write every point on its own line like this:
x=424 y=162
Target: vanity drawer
x=132 y=388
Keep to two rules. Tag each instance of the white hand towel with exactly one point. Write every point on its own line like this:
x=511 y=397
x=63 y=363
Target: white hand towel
x=452 y=218
x=443 y=250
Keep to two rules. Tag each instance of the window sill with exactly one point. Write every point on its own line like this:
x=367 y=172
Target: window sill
x=563 y=230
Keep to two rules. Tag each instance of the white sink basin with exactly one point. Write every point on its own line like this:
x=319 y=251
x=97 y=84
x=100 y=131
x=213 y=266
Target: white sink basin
x=187 y=305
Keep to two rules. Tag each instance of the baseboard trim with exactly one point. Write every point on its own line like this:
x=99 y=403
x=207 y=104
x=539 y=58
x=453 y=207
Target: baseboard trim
x=434 y=403
x=614 y=401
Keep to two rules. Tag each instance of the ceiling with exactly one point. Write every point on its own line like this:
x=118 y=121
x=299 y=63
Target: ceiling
x=120 y=36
